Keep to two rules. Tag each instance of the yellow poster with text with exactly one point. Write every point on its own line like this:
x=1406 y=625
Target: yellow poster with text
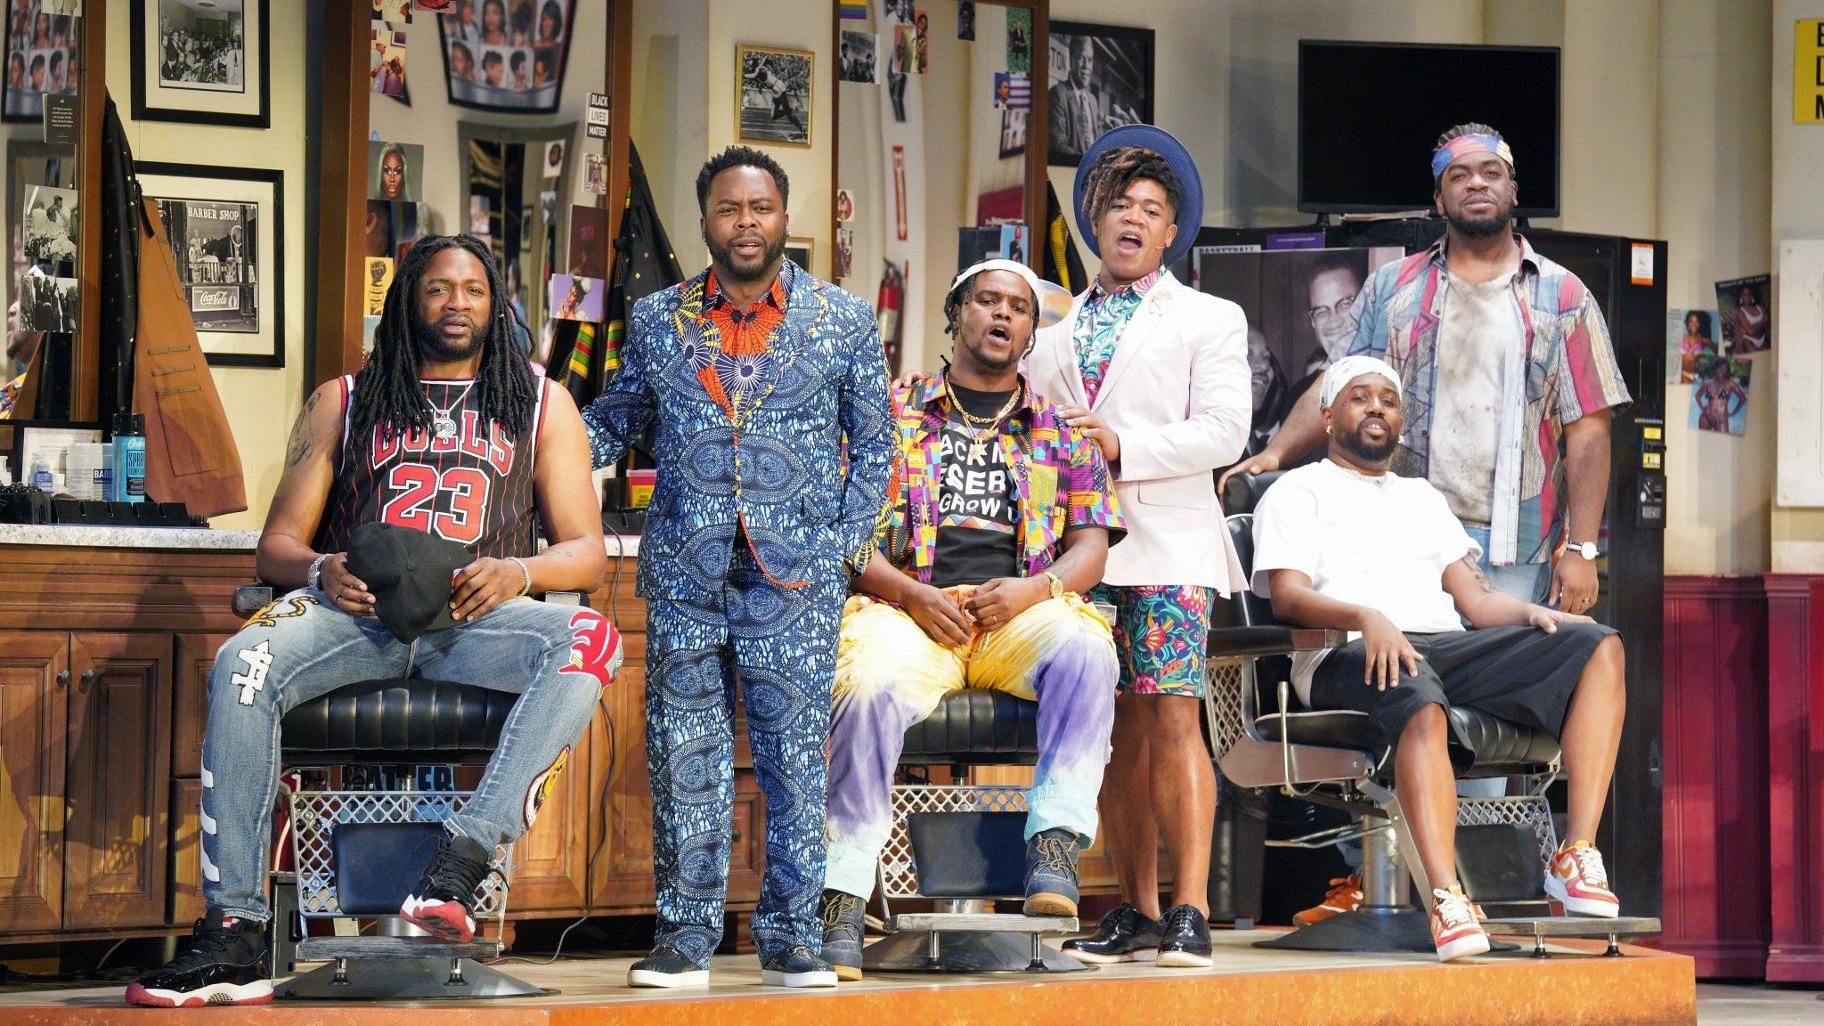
x=1808 y=71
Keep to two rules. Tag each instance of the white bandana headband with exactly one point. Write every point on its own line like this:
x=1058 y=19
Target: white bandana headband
x=1348 y=369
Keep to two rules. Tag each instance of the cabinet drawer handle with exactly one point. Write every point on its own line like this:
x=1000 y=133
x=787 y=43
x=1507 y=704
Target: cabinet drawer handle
x=87 y=681
x=63 y=678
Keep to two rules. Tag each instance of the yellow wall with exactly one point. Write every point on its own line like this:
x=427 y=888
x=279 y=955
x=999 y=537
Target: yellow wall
x=261 y=403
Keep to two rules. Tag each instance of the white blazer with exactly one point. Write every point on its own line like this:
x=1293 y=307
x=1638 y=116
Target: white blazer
x=1178 y=393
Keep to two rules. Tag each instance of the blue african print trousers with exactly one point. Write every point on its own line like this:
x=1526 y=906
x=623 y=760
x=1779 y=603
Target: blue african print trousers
x=779 y=645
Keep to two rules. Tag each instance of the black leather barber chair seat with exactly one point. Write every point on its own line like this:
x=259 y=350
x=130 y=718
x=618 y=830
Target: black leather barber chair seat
x=385 y=724
x=968 y=837
x=1266 y=738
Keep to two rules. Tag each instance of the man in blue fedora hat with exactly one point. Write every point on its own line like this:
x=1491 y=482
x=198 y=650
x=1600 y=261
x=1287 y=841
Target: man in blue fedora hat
x=1157 y=373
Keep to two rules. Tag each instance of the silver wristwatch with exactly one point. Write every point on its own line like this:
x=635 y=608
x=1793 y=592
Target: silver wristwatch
x=1587 y=550
x=314 y=575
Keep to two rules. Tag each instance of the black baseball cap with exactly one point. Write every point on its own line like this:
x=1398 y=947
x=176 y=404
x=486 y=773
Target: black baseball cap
x=409 y=573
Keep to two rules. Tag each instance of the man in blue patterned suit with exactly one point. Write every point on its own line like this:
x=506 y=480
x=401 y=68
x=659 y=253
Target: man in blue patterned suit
x=752 y=375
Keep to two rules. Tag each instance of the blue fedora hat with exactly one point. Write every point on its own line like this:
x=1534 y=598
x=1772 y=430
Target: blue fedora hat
x=1152 y=137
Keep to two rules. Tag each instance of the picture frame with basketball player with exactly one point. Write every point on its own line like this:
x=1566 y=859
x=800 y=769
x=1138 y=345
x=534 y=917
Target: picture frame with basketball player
x=226 y=226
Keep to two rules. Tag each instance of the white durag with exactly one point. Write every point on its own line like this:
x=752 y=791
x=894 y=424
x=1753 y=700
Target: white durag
x=1348 y=369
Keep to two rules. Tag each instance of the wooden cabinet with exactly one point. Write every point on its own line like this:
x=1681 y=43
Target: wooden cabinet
x=87 y=718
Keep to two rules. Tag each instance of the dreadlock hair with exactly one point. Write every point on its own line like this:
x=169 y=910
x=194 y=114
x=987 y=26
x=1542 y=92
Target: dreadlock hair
x=387 y=391
x=1117 y=168
x=739 y=156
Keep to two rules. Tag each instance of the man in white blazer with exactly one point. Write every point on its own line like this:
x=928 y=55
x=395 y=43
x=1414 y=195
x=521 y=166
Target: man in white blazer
x=1158 y=374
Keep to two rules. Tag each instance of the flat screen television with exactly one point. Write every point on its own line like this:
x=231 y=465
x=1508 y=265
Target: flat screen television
x=1369 y=115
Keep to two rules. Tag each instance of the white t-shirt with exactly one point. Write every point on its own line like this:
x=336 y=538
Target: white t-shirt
x=1381 y=542
x=1481 y=322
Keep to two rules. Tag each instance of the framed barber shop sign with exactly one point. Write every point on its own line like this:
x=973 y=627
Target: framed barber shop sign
x=226 y=226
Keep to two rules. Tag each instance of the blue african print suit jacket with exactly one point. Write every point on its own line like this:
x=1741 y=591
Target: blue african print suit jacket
x=777 y=467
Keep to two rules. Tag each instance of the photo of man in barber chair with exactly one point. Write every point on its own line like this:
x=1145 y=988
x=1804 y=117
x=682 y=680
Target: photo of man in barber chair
x=1346 y=545
x=999 y=521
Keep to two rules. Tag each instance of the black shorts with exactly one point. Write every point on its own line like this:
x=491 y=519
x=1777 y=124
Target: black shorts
x=1519 y=674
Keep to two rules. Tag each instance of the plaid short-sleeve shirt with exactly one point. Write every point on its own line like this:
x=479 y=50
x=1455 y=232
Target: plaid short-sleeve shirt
x=1568 y=360
x=1060 y=480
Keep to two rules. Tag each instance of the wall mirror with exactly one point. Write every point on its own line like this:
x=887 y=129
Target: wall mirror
x=936 y=161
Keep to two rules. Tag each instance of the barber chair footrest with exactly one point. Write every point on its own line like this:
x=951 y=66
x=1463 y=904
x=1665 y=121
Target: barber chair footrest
x=405 y=979
x=1541 y=927
x=981 y=922
x=1369 y=928
x=315 y=949
x=926 y=951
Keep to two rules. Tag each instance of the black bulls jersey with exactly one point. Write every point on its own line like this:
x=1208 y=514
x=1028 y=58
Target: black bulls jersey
x=471 y=486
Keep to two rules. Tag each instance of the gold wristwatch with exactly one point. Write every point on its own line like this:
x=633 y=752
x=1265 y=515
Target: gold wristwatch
x=1057 y=584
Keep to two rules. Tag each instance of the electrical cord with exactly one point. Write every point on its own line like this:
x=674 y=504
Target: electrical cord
x=595 y=850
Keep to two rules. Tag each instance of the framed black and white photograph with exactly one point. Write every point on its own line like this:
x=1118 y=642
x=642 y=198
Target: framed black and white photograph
x=49 y=217
x=41 y=45
x=773 y=95
x=47 y=303
x=202 y=61
x=859 y=57
x=1101 y=77
x=226 y=226
x=799 y=249
x=507 y=55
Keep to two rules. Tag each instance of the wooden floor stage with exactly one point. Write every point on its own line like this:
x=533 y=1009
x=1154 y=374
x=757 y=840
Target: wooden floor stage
x=1247 y=986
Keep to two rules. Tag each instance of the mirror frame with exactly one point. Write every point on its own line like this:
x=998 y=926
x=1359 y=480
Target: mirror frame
x=1039 y=116
x=342 y=237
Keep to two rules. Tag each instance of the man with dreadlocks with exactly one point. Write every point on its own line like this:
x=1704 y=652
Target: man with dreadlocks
x=1157 y=373
x=753 y=375
x=447 y=431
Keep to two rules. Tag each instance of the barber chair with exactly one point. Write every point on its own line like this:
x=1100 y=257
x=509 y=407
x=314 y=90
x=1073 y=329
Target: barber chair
x=357 y=853
x=969 y=848
x=1266 y=738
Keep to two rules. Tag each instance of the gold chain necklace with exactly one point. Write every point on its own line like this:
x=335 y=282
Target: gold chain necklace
x=989 y=426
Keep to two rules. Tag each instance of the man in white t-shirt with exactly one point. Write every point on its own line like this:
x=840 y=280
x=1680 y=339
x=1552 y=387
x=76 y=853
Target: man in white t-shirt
x=1345 y=544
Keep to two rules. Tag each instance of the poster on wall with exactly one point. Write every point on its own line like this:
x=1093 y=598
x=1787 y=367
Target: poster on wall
x=394 y=171
x=1719 y=395
x=386 y=59
x=1747 y=327
x=588 y=242
x=577 y=299
x=1019 y=39
x=50 y=235
x=506 y=55
x=1691 y=335
x=374 y=286
x=1301 y=310
x=41 y=53
x=1101 y=77
x=201 y=63
x=1013 y=132
x=859 y=57
x=773 y=95
x=226 y=227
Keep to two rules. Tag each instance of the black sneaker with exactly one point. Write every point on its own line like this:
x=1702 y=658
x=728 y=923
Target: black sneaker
x=224 y=963
x=843 y=926
x=797 y=967
x=1186 y=944
x=1051 y=874
x=1124 y=935
x=440 y=902
x=667 y=967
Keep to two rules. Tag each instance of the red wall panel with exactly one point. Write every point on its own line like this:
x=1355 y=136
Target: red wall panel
x=1795 y=775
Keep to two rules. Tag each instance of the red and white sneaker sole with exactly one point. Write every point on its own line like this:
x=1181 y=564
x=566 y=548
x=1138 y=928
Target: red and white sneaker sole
x=448 y=921
x=259 y=992
x=1563 y=901
x=1463 y=945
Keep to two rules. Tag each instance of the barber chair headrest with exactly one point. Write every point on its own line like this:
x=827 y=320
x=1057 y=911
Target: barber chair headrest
x=1244 y=491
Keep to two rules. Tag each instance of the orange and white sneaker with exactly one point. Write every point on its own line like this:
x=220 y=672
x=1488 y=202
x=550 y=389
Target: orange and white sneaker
x=1454 y=928
x=1345 y=895
x=1577 y=880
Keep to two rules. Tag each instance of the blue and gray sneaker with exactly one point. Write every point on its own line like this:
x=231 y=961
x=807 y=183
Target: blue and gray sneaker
x=796 y=967
x=843 y=925
x=1051 y=873
x=667 y=967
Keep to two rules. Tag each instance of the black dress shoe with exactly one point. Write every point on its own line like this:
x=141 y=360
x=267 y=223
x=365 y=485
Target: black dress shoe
x=1186 y=944
x=1124 y=935
x=797 y=967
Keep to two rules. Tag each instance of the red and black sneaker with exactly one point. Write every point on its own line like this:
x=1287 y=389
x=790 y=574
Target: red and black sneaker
x=440 y=902
x=224 y=963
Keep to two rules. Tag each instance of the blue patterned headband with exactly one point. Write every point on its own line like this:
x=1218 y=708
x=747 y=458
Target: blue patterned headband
x=1462 y=144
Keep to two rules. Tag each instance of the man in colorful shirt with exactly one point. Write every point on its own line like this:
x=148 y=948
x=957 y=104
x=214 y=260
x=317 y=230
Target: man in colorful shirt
x=754 y=376
x=999 y=521
x=1486 y=332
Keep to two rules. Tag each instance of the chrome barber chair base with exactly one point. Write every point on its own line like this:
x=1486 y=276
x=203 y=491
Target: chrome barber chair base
x=929 y=951
x=405 y=979
x=1368 y=928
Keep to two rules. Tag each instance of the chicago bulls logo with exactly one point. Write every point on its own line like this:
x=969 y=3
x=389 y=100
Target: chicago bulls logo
x=597 y=648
